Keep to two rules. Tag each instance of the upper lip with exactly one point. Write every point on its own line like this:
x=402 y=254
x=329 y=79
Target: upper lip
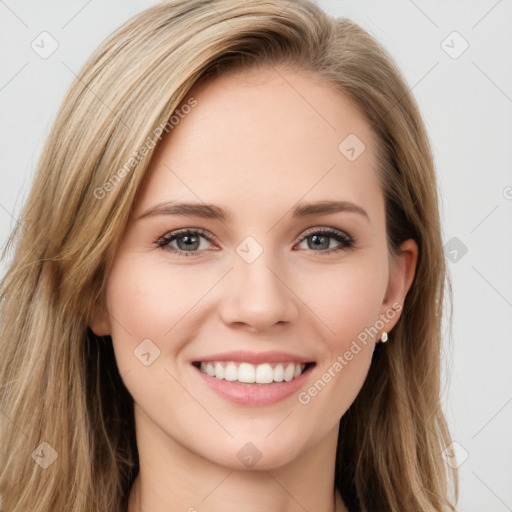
x=243 y=356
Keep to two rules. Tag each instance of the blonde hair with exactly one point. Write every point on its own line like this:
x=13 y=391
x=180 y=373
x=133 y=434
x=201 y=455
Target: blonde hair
x=59 y=383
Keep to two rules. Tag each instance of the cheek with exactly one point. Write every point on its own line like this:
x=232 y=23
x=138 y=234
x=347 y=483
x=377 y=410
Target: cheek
x=347 y=298
x=155 y=310
x=347 y=301
x=152 y=316
x=148 y=300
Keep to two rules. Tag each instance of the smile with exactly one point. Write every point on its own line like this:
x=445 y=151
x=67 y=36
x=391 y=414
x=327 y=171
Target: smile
x=248 y=373
x=254 y=379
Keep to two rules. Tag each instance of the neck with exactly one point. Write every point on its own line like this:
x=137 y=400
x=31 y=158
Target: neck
x=136 y=504
x=172 y=478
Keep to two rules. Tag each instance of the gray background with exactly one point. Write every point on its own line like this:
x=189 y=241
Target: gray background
x=466 y=100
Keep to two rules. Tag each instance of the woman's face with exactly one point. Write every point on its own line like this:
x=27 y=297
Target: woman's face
x=277 y=260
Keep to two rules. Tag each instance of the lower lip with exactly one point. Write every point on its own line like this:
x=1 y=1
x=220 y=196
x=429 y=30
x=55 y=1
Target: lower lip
x=254 y=394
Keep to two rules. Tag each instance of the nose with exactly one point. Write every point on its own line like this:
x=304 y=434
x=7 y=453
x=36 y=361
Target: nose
x=256 y=297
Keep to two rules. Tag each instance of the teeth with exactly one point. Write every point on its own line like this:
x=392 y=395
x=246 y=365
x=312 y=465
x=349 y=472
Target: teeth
x=288 y=372
x=231 y=372
x=210 y=370
x=219 y=371
x=264 y=374
x=246 y=373
x=249 y=373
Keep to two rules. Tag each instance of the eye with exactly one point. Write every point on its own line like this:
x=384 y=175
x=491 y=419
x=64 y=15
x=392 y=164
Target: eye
x=319 y=240
x=192 y=242
x=189 y=242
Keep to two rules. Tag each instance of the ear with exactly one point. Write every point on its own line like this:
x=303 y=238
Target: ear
x=401 y=275
x=100 y=323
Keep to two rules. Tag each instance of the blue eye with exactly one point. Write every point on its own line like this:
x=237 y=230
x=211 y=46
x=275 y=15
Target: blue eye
x=188 y=241
x=320 y=238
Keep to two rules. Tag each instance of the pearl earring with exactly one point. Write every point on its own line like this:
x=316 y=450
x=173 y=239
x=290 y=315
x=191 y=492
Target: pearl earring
x=384 y=337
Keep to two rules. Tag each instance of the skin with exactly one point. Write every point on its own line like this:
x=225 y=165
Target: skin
x=257 y=143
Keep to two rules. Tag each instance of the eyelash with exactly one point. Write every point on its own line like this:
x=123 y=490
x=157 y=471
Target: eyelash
x=164 y=241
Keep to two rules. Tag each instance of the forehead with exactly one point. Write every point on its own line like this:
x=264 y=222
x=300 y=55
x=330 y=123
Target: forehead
x=265 y=134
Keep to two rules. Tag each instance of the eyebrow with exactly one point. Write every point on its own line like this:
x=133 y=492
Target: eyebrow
x=210 y=211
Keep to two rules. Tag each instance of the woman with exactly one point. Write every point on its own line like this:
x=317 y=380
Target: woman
x=290 y=361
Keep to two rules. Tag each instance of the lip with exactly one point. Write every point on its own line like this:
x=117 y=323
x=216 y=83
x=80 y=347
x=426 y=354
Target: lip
x=255 y=395
x=244 y=356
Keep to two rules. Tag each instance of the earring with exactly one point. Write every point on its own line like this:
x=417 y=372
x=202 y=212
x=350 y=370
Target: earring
x=384 y=337
x=96 y=334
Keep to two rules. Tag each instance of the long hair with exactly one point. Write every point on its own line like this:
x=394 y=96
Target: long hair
x=67 y=434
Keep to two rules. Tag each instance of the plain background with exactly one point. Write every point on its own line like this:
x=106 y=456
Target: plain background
x=465 y=96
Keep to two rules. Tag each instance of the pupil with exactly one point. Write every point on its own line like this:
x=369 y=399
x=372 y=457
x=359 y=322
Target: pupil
x=324 y=244
x=190 y=242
